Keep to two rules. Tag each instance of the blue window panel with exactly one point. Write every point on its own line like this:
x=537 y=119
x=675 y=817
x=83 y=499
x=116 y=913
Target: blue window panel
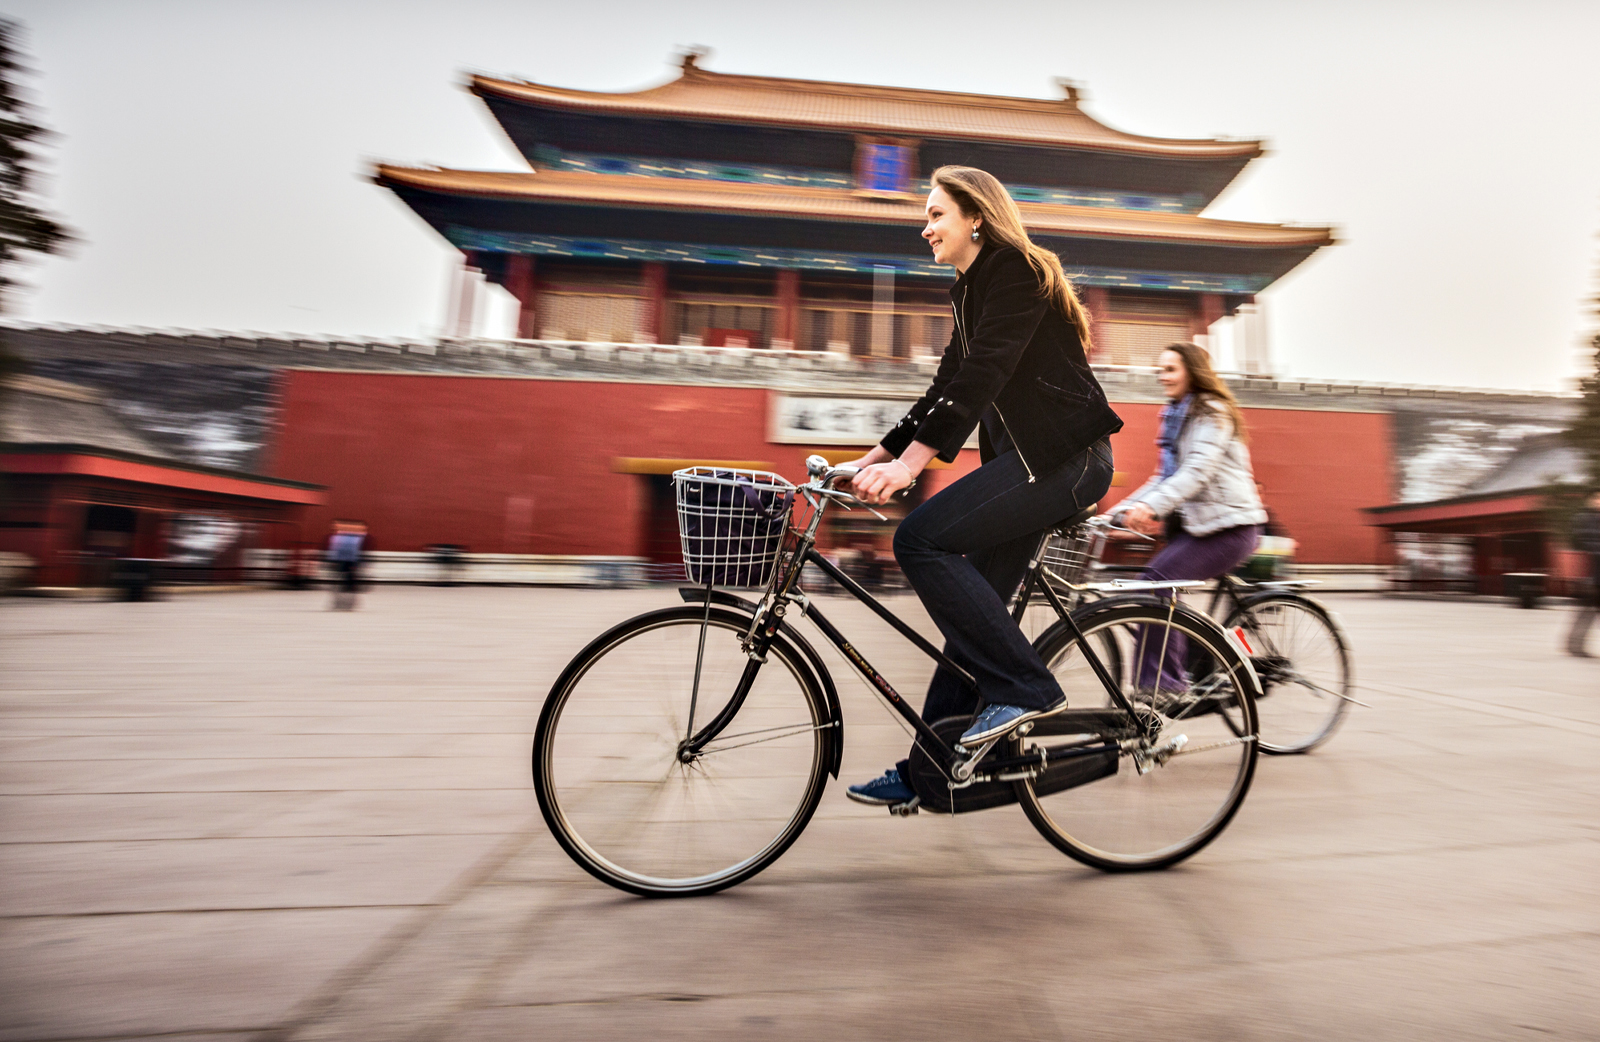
x=885 y=168
x=889 y=170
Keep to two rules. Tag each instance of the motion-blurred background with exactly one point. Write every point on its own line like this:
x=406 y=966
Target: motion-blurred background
x=1379 y=219
x=388 y=296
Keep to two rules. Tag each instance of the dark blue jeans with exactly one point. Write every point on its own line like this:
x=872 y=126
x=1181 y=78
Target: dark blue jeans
x=965 y=552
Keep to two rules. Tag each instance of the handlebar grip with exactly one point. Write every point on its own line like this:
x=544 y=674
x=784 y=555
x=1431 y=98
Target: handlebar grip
x=817 y=467
x=1112 y=522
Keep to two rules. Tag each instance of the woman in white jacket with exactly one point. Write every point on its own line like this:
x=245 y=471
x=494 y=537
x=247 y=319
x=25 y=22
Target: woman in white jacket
x=1203 y=494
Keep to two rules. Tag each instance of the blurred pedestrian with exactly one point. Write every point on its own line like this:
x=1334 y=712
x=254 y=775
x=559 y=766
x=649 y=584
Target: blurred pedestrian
x=346 y=550
x=1202 y=497
x=1586 y=539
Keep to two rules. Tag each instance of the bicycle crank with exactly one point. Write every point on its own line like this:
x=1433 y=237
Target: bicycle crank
x=962 y=770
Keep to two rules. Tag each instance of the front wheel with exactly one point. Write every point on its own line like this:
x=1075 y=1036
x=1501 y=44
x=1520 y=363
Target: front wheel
x=1303 y=662
x=1186 y=753
x=631 y=802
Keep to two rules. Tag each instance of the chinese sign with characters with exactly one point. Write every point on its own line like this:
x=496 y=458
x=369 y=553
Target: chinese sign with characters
x=819 y=420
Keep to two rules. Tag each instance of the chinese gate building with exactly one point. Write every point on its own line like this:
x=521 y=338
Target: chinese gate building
x=749 y=211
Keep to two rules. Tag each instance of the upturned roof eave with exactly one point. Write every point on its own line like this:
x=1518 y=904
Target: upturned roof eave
x=1155 y=227
x=648 y=103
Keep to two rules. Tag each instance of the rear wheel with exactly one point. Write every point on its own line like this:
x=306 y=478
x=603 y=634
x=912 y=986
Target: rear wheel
x=1303 y=663
x=1186 y=758
x=628 y=801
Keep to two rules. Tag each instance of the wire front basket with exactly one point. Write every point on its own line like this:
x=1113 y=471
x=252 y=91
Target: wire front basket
x=731 y=523
x=1072 y=552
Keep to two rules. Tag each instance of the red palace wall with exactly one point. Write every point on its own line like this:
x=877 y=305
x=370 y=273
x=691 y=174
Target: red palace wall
x=525 y=466
x=501 y=465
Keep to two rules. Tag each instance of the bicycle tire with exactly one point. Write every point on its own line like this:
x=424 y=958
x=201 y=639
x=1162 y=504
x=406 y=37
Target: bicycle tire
x=606 y=766
x=1146 y=819
x=1303 y=662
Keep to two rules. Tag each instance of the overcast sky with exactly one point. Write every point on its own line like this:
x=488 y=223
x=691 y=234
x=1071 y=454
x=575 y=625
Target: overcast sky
x=212 y=155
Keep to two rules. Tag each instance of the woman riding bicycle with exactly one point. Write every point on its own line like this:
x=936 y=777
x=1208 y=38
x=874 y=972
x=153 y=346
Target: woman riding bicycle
x=1016 y=369
x=1203 y=495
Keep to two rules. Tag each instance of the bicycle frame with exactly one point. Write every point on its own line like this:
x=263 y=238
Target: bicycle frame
x=783 y=590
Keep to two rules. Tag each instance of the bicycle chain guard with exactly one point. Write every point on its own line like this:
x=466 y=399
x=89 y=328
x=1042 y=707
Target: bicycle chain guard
x=932 y=784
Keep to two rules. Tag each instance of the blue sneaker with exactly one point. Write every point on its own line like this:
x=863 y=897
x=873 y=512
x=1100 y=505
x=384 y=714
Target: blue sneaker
x=888 y=789
x=996 y=720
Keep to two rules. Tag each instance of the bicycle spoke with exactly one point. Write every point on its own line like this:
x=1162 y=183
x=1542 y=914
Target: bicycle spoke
x=608 y=767
x=1319 y=689
x=1303 y=667
x=1179 y=787
x=788 y=732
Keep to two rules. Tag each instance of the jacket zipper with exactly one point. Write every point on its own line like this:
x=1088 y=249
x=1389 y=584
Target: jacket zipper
x=962 y=330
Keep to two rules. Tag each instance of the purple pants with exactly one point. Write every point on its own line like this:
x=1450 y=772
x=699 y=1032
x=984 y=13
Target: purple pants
x=1187 y=557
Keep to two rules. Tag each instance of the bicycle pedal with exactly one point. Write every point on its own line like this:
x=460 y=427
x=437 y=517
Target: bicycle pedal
x=974 y=753
x=963 y=770
x=906 y=809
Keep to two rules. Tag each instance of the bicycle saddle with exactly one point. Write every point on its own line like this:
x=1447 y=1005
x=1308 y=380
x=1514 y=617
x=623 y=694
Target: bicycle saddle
x=1076 y=519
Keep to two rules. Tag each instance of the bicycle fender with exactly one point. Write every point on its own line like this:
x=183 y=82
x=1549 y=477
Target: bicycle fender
x=819 y=672
x=692 y=594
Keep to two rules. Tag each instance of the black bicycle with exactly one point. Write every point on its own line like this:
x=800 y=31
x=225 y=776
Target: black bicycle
x=1295 y=643
x=686 y=749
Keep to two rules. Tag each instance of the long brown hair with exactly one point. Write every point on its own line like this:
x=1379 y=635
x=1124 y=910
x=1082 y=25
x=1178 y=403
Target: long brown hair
x=979 y=194
x=1205 y=383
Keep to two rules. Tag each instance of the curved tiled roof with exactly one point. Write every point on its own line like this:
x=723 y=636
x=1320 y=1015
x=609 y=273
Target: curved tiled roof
x=40 y=411
x=859 y=108
x=827 y=204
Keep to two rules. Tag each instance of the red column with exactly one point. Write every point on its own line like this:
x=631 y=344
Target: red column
x=1098 y=301
x=788 y=295
x=520 y=283
x=1210 y=312
x=653 y=278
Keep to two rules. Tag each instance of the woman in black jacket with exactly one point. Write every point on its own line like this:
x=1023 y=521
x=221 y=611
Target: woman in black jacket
x=1016 y=369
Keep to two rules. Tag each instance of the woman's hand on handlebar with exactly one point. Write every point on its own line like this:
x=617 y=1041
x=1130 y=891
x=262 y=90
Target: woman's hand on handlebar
x=1141 y=519
x=883 y=474
x=878 y=482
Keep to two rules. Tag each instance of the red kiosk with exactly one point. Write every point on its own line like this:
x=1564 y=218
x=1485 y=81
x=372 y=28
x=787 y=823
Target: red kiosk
x=83 y=491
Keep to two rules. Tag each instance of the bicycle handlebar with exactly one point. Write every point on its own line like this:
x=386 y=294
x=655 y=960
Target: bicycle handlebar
x=1110 y=523
x=824 y=474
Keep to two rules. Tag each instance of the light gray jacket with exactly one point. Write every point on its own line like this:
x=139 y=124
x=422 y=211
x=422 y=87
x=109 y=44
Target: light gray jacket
x=1213 y=483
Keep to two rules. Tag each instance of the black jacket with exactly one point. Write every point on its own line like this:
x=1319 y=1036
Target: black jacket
x=1011 y=351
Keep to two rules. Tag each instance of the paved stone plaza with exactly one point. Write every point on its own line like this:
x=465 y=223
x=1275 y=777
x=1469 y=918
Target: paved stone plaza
x=243 y=816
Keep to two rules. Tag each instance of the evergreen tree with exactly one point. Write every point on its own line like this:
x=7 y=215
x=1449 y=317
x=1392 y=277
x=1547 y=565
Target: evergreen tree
x=24 y=228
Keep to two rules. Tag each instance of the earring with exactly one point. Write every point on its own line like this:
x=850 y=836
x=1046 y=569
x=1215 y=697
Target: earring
x=974 y=233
